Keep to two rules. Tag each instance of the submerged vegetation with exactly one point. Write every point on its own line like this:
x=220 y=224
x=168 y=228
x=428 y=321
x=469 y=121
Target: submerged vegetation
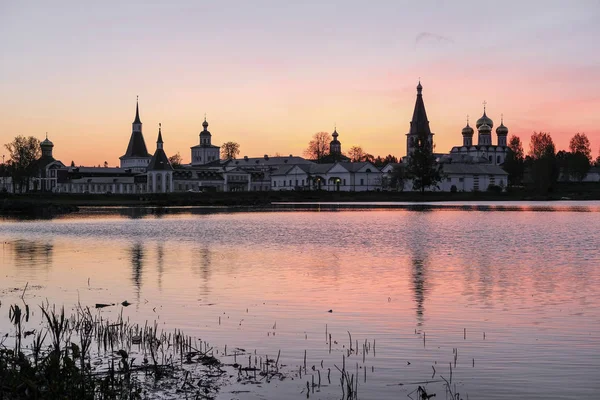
x=85 y=356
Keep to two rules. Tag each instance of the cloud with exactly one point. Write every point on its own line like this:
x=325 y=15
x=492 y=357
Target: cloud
x=432 y=37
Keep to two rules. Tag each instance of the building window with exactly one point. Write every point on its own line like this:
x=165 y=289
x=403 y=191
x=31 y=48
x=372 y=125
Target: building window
x=344 y=181
x=448 y=179
x=362 y=181
x=274 y=183
x=498 y=160
x=461 y=179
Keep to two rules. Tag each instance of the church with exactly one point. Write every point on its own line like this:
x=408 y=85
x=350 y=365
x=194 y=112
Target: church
x=470 y=167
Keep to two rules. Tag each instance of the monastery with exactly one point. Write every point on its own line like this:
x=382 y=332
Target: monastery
x=467 y=167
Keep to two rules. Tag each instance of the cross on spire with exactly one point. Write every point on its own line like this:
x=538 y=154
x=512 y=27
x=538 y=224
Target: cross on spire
x=484 y=104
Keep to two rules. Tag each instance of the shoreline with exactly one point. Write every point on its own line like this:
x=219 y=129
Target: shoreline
x=50 y=204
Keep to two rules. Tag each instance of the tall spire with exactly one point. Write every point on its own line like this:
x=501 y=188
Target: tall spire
x=137 y=111
x=419 y=123
x=159 y=140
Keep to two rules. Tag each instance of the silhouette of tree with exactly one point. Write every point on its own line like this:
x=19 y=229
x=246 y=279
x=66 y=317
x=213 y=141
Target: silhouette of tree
x=581 y=144
x=540 y=145
x=176 y=160
x=230 y=150
x=318 y=147
x=72 y=163
x=542 y=161
x=573 y=165
x=105 y=164
x=24 y=153
x=515 y=161
x=356 y=154
x=398 y=177
x=422 y=167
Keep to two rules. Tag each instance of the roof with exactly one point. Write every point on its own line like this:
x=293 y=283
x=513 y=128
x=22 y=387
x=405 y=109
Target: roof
x=159 y=162
x=205 y=145
x=356 y=166
x=267 y=161
x=473 y=169
x=137 y=146
x=419 y=123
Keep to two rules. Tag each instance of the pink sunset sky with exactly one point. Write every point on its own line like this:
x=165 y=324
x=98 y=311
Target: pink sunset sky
x=269 y=74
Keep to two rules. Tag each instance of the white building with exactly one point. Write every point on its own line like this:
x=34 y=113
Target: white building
x=205 y=152
x=340 y=176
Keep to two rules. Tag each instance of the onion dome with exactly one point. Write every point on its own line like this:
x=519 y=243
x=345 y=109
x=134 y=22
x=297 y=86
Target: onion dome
x=419 y=87
x=502 y=130
x=205 y=124
x=467 y=130
x=47 y=142
x=484 y=120
x=485 y=128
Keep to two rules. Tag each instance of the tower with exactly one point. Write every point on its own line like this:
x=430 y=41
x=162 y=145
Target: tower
x=160 y=171
x=419 y=126
x=46 y=147
x=467 y=133
x=502 y=133
x=136 y=156
x=205 y=152
x=484 y=126
x=335 y=147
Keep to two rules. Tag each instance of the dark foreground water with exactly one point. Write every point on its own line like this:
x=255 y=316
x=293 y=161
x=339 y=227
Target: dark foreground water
x=511 y=292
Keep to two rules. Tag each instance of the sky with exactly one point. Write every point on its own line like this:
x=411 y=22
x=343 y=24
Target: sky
x=270 y=74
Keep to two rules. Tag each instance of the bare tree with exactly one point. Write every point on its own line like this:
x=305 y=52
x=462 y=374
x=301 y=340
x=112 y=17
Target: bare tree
x=356 y=154
x=318 y=147
x=175 y=160
x=230 y=150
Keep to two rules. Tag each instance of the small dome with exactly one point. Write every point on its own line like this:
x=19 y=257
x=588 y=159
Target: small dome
x=484 y=120
x=47 y=143
x=205 y=124
x=485 y=128
x=467 y=130
x=502 y=130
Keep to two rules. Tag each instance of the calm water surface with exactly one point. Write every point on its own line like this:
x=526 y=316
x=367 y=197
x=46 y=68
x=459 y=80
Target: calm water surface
x=513 y=288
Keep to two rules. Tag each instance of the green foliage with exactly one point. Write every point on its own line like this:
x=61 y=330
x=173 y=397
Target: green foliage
x=422 y=167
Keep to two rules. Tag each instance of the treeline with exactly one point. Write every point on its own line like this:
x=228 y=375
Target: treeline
x=542 y=167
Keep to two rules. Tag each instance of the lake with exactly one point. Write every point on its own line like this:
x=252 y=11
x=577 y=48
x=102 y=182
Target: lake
x=508 y=294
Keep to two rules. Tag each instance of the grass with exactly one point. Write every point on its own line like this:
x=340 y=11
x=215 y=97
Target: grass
x=84 y=356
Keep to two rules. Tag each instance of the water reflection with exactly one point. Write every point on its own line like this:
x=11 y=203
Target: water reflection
x=203 y=256
x=160 y=256
x=419 y=287
x=136 y=253
x=30 y=253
